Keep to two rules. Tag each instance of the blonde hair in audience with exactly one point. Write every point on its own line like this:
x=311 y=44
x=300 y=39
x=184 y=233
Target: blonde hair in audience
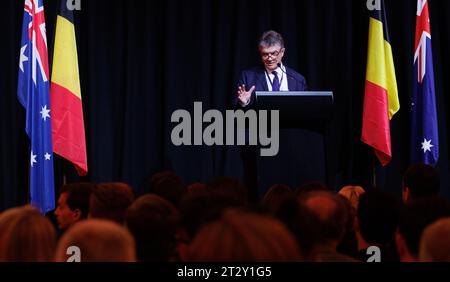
x=352 y=193
x=26 y=236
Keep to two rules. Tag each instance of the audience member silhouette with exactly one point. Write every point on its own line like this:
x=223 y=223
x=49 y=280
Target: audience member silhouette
x=415 y=217
x=318 y=220
x=26 y=236
x=349 y=243
x=420 y=181
x=167 y=185
x=241 y=236
x=328 y=217
x=274 y=197
x=230 y=188
x=202 y=207
x=98 y=240
x=111 y=201
x=153 y=222
x=435 y=242
x=73 y=204
x=376 y=221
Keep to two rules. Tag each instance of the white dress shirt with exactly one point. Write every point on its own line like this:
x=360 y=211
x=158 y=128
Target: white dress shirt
x=269 y=78
x=281 y=77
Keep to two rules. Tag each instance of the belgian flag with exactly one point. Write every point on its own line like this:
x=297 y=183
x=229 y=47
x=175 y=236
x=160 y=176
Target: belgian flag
x=381 y=95
x=66 y=106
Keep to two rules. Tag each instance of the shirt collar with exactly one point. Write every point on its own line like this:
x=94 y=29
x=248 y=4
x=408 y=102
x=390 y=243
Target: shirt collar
x=280 y=71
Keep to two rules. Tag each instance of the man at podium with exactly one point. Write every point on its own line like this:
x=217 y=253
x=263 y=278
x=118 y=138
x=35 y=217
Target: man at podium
x=301 y=156
x=273 y=76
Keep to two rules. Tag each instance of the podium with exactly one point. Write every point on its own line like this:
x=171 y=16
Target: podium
x=298 y=109
x=302 y=158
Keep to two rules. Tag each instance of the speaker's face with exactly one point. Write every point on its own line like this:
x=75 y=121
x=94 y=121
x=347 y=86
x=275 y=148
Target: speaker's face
x=271 y=56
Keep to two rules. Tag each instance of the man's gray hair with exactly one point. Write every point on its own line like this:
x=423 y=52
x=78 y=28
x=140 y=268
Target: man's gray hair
x=271 y=38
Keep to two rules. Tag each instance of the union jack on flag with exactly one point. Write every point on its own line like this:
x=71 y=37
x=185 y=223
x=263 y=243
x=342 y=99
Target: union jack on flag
x=34 y=95
x=424 y=130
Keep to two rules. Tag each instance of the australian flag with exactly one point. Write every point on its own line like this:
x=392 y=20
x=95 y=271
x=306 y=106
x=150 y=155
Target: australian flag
x=424 y=130
x=34 y=94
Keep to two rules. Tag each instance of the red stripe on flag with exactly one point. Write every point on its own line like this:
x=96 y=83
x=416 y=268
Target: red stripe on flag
x=68 y=127
x=376 y=129
x=422 y=25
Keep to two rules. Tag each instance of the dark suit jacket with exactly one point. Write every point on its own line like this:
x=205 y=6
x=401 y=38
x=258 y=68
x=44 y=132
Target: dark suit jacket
x=257 y=77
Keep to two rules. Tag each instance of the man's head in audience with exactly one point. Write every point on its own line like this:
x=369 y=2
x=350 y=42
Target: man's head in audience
x=331 y=215
x=167 y=185
x=377 y=217
x=153 y=222
x=275 y=196
x=415 y=217
x=200 y=208
x=111 y=201
x=242 y=236
x=318 y=220
x=230 y=188
x=98 y=241
x=73 y=204
x=420 y=181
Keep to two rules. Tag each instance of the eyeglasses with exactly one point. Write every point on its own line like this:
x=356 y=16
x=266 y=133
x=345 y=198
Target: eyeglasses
x=273 y=54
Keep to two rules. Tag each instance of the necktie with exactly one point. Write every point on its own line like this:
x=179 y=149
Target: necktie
x=275 y=82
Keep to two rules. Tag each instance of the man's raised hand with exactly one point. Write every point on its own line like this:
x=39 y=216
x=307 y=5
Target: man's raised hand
x=244 y=96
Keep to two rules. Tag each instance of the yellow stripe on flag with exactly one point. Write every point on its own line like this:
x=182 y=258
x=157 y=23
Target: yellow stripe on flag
x=65 y=59
x=394 y=103
x=380 y=65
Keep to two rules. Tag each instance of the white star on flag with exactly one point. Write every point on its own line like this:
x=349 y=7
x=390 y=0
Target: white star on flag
x=23 y=58
x=45 y=113
x=33 y=159
x=426 y=145
x=47 y=156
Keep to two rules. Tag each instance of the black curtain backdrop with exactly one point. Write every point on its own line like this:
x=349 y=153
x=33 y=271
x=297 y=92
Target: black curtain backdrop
x=141 y=60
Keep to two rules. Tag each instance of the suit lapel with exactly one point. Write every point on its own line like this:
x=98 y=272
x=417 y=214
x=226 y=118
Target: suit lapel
x=290 y=81
x=261 y=80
